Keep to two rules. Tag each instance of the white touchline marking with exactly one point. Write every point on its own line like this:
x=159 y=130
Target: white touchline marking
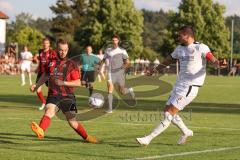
x=150 y=124
x=230 y=108
x=213 y=128
x=186 y=153
x=122 y=123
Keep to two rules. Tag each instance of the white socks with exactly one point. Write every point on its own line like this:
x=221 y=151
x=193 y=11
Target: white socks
x=177 y=120
x=99 y=78
x=164 y=124
x=23 y=78
x=30 y=78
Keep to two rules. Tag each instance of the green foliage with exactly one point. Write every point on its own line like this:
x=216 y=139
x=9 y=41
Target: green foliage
x=69 y=14
x=236 y=39
x=207 y=19
x=44 y=26
x=149 y=53
x=155 y=30
x=22 y=21
x=30 y=37
x=107 y=17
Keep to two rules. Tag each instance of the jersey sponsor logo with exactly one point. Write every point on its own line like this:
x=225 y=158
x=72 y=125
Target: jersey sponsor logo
x=56 y=74
x=179 y=99
x=51 y=64
x=187 y=58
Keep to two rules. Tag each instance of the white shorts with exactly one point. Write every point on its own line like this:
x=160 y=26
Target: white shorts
x=181 y=97
x=117 y=78
x=26 y=67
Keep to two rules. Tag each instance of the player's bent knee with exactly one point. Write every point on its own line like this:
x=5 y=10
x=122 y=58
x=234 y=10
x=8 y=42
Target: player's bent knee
x=50 y=110
x=171 y=109
x=176 y=119
x=168 y=116
x=73 y=123
x=39 y=89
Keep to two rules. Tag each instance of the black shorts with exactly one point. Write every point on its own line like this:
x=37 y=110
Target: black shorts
x=38 y=77
x=64 y=103
x=88 y=76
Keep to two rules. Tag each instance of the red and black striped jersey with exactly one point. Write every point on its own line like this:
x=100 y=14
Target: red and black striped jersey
x=45 y=58
x=65 y=70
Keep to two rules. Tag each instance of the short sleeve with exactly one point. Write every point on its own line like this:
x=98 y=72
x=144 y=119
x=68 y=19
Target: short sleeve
x=175 y=53
x=205 y=50
x=74 y=72
x=125 y=55
x=97 y=59
x=30 y=55
x=107 y=51
x=21 y=55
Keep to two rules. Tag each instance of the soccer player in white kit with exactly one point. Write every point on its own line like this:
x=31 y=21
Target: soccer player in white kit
x=27 y=58
x=117 y=60
x=192 y=57
x=102 y=67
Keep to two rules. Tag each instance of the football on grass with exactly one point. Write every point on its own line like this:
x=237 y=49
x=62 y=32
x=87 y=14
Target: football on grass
x=96 y=100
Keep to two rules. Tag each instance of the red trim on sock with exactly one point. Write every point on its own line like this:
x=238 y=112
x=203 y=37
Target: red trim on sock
x=41 y=97
x=45 y=122
x=81 y=131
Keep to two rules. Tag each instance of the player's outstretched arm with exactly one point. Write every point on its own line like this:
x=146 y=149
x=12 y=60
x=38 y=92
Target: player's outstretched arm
x=41 y=81
x=160 y=67
x=213 y=60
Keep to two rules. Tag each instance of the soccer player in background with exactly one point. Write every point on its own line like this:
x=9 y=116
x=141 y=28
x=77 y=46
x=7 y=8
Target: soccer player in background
x=101 y=74
x=63 y=75
x=192 y=56
x=27 y=58
x=44 y=58
x=87 y=64
x=117 y=60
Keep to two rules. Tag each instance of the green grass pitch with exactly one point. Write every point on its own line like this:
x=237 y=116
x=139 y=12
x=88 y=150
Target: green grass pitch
x=214 y=116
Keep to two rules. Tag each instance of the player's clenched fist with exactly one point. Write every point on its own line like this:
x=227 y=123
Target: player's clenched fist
x=33 y=88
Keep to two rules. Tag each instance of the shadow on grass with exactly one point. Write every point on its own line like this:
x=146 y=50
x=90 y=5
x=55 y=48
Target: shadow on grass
x=15 y=136
x=143 y=105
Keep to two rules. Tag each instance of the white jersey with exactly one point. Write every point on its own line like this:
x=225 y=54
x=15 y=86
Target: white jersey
x=25 y=57
x=156 y=62
x=115 y=58
x=100 y=56
x=192 y=60
x=137 y=61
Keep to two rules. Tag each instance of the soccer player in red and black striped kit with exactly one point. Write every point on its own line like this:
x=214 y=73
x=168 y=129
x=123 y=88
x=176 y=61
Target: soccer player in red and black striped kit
x=62 y=75
x=44 y=58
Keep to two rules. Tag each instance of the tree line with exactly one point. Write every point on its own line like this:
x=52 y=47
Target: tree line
x=144 y=33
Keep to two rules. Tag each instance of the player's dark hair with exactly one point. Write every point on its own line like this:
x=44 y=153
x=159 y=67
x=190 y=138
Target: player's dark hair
x=62 y=41
x=115 y=36
x=88 y=46
x=46 y=39
x=187 y=30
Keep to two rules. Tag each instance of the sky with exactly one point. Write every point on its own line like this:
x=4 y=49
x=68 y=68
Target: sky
x=40 y=8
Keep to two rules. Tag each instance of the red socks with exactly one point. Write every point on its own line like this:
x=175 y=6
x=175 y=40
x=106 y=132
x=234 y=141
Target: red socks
x=81 y=131
x=41 y=97
x=45 y=122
